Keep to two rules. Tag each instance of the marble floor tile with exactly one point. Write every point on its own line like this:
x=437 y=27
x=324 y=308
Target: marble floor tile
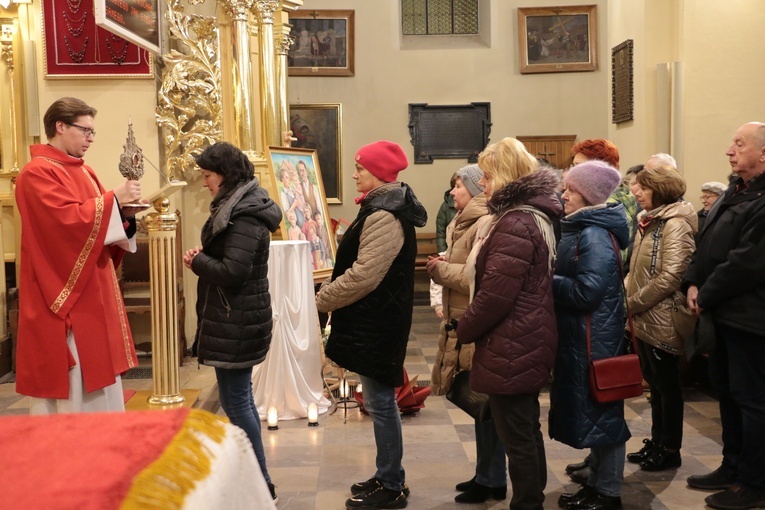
x=314 y=467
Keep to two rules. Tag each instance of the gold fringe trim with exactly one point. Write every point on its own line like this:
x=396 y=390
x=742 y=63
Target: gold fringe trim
x=165 y=483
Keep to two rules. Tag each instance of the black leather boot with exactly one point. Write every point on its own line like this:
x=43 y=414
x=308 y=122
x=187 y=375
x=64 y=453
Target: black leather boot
x=463 y=486
x=661 y=459
x=478 y=493
x=584 y=492
x=597 y=502
x=578 y=466
x=642 y=454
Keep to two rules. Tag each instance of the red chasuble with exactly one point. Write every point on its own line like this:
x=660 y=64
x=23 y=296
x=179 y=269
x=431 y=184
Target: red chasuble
x=68 y=279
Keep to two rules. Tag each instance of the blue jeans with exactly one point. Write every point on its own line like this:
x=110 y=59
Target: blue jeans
x=737 y=372
x=490 y=464
x=235 y=393
x=380 y=403
x=607 y=465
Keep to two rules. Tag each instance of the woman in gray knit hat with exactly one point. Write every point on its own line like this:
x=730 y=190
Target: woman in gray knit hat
x=490 y=478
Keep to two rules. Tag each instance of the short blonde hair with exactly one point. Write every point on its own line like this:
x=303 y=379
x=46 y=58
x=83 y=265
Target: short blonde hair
x=507 y=161
x=664 y=181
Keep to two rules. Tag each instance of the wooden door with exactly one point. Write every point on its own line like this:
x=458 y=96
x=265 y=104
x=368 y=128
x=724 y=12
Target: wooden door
x=555 y=149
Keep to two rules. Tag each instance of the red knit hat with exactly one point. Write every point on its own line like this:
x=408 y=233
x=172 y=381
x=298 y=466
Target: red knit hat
x=383 y=159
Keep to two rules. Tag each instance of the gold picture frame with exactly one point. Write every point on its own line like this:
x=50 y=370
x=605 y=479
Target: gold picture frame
x=558 y=39
x=300 y=194
x=319 y=126
x=324 y=43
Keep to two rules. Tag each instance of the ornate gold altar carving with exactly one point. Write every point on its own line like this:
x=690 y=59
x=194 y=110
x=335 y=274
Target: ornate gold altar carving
x=189 y=98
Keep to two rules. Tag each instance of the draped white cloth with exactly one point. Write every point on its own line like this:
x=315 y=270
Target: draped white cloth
x=290 y=376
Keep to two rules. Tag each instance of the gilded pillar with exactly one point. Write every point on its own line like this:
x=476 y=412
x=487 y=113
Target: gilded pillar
x=7 y=56
x=164 y=303
x=238 y=11
x=264 y=12
x=283 y=44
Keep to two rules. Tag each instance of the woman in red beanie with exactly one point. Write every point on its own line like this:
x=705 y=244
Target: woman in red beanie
x=370 y=295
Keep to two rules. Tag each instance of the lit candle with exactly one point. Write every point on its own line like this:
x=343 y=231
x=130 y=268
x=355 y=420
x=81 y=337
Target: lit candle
x=273 y=418
x=313 y=414
x=344 y=389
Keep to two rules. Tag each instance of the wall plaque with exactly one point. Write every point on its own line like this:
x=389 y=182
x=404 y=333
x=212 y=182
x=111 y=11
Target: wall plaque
x=449 y=132
x=621 y=82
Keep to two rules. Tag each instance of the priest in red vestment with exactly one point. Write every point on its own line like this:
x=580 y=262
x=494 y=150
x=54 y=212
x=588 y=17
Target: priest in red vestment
x=74 y=338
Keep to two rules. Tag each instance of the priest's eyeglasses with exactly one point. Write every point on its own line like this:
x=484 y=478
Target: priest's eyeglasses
x=85 y=130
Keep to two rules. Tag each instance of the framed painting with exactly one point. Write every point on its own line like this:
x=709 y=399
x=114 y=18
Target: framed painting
x=558 y=39
x=323 y=43
x=621 y=82
x=75 y=47
x=319 y=126
x=300 y=194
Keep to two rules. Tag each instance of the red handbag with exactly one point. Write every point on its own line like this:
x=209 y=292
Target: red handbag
x=619 y=377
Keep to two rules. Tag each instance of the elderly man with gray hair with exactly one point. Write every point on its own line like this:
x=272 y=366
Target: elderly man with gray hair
x=724 y=282
x=660 y=159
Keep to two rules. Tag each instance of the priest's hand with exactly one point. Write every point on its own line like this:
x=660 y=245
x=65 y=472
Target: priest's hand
x=132 y=209
x=129 y=191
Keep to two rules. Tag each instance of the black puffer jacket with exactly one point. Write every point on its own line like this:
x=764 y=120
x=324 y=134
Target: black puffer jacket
x=233 y=303
x=369 y=336
x=729 y=264
x=588 y=282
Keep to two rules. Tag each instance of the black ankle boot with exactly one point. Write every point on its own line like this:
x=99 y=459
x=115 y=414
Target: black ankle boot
x=597 y=501
x=479 y=493
x=642 y=454
x=569 y=497
x=578 y=466
x=661 y=459
x=463 y=486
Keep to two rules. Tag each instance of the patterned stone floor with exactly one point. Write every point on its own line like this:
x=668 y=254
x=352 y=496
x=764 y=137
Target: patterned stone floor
x=314 y=467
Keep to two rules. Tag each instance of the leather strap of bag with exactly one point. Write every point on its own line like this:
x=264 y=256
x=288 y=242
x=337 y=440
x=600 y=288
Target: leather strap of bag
x=629 y=314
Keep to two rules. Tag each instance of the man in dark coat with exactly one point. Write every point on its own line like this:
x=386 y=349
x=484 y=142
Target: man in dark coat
x=370 y=295
x=725 y=280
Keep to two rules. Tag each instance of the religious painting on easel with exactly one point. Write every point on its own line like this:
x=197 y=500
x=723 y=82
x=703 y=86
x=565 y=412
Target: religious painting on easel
x=323 y=43
x=558 y=39
x=75 y=47
x=300 y=194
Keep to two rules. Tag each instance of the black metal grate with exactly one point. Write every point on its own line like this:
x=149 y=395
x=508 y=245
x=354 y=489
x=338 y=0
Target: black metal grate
x=138 y=373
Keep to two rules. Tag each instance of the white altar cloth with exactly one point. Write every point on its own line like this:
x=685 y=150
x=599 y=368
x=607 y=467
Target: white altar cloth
x=290 y=376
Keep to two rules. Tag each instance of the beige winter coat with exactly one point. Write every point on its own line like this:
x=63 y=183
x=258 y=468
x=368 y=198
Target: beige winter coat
x=460 y=235
x=650 y=297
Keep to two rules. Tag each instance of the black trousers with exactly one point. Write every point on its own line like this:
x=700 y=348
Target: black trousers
x=662 y=372
x=516 y=418
x=737 y=371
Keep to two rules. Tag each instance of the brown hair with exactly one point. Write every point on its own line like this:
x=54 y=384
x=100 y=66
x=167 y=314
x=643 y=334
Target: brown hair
x=66 y=110
x=598 y=148
x=665 y=182
x=506 y=161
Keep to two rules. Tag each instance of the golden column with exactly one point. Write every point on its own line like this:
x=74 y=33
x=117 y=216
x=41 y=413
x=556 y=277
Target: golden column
x=283 y=44
x=264 y=12
x=238 y=11
x=7 y=55
x=164 y=299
